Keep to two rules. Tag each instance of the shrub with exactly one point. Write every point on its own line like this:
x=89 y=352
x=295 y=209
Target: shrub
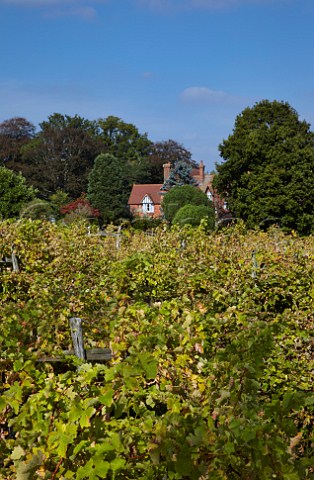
x=37 y=209
x=79 y=209
x=179 y=196
x=194 y=214
x=14 y=193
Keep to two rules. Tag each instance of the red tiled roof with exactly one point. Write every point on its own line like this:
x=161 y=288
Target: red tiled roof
x=139 y=191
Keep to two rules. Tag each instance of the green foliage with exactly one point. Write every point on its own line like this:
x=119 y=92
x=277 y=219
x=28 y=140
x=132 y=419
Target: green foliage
x=37 y=209
x=180 y=196
x=123 y=140
x=14 y=134
x=168 y=151
x=129 y=146
x=58 y=200
x=106 y=188
x=194 y=214
x=14 y=193
x=211 y=376
x=268 y=168
x=61 y=155
x=180 y=175
x=145 y=223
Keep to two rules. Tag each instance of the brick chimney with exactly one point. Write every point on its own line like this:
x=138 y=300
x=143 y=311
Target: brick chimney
x=167 y=168
x=201 y=170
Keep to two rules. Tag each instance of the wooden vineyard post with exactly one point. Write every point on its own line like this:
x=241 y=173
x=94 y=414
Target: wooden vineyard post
x=118 y=238
x=15 y=264
x=77 y=337
x=254 y=265
x=93 y=355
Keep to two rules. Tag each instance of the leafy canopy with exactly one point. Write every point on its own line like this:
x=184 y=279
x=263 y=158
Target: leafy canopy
x=107 y=190
x=14 y=193
x=167 y=151
x=14 y=133
x=179 y=196
x=61 y=155
x=123 y=139
x=268 y=168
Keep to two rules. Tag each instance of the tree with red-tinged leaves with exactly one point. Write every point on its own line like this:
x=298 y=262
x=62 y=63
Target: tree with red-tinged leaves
x=168 y=151
x=80 y=208
x=14 y=134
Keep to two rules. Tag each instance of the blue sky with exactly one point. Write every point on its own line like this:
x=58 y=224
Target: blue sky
x=177 y=69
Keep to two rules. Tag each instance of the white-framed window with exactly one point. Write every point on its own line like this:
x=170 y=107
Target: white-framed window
x=147 y=205
x=209 y=195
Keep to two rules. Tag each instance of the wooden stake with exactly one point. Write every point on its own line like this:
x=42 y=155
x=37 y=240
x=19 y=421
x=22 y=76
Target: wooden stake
x=77 y=337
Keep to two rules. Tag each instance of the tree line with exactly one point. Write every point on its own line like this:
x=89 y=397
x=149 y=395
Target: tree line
x=61 y=155
x=266 y=173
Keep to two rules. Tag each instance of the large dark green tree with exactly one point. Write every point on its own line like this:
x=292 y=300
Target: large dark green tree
x=108 y=188
x=125 y=142
x=179 y=196
x=61 y=155
x=268 y=168
x=168 y=151
x=15 y=133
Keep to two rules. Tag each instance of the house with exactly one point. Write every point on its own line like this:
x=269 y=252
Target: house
x=145 y=199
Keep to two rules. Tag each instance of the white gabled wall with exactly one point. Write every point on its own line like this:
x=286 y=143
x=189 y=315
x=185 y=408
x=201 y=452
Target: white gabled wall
x=147 y=204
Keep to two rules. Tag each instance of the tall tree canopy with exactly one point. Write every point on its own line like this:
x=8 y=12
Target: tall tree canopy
x=108 y=188
x=125 y=142
x=168 y=151
x=14 y=133
x=61 y=155
x=268 y=168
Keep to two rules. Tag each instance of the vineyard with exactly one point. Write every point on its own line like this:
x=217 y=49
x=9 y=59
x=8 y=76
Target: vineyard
x=211 y=336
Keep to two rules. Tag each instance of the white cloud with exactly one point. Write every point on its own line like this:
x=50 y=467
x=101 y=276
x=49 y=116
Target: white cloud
x=87 y=13
x=204 y=95
x=59 y=8
x=32 y=3
x=154 y=4
x=175 y=5
x=87 y=9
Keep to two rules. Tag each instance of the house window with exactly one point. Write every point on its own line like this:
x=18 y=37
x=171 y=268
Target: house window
x=209 y=195
x=147 y=205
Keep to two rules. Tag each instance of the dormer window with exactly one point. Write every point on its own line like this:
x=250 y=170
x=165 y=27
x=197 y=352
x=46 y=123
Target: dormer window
x=147 y=205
